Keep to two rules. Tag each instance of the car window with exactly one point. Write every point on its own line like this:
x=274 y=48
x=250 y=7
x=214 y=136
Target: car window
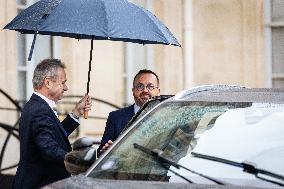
x=145 y=108
x=173 y=127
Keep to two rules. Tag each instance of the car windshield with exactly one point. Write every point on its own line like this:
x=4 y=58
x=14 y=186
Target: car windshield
x=249 y=136
x=173 y=127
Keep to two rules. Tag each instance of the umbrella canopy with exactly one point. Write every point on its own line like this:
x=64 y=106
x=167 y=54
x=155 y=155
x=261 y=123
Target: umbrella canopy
x=117 y=20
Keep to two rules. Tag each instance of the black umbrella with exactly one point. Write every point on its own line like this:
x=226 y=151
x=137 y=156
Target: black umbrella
x=117 y=20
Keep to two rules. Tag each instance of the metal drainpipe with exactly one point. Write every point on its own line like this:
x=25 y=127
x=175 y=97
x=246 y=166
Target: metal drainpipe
x=128 y=73
x=149 y=48
x=188 y=45
x=268 y=44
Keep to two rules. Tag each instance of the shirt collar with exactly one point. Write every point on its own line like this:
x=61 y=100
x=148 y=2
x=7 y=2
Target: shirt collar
x=136 y=108
x=51 y=103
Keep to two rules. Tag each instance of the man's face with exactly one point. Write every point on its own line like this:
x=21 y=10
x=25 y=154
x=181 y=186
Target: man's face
x=58 y=86
x=145 y=87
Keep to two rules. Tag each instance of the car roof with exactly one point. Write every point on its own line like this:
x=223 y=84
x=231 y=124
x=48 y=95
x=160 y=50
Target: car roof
x=223 y=93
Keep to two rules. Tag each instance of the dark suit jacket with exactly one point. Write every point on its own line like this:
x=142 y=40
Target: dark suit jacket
x=116 y=122
x=43 y=145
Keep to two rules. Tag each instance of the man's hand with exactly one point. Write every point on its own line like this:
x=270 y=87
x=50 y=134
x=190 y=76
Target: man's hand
x=83 y=105
x=106 y=146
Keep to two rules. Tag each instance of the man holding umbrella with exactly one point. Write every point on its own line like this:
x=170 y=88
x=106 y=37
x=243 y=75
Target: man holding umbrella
x=43 y=138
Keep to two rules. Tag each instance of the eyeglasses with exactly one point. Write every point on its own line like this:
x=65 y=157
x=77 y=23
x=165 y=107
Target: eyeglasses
x=141 y=87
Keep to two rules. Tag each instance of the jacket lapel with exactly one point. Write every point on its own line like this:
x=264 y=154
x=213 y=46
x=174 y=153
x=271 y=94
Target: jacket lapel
x=130 y=111
x=59 y=125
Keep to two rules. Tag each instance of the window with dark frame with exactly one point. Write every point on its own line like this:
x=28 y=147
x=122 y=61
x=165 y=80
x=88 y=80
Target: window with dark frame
x=275 y=23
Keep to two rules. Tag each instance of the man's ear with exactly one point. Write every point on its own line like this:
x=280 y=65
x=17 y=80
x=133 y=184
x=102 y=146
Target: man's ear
x=159 y=91
x=47 y=83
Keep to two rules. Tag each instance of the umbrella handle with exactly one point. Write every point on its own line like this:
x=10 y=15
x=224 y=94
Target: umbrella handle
x=85 y=114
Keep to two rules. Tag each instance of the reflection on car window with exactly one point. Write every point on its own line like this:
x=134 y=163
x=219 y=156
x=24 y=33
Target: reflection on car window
x=174 y=128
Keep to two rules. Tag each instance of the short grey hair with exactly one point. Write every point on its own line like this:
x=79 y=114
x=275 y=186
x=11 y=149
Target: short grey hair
x=46 y=68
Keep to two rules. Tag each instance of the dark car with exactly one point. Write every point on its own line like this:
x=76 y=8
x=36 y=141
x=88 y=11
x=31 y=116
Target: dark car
x=206 y=137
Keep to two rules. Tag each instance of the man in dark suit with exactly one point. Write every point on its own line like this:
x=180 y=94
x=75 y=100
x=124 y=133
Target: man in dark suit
x=145 y=86
x=43 y=138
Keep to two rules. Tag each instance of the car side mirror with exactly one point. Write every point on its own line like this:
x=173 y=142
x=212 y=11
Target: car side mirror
x=81 y=157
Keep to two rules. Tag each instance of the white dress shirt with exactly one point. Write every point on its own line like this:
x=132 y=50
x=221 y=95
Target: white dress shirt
x=52 y=105
x=136 y=108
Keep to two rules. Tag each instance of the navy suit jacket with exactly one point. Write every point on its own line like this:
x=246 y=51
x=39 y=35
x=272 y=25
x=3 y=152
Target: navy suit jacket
x=43 y=145
x=116 y=122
